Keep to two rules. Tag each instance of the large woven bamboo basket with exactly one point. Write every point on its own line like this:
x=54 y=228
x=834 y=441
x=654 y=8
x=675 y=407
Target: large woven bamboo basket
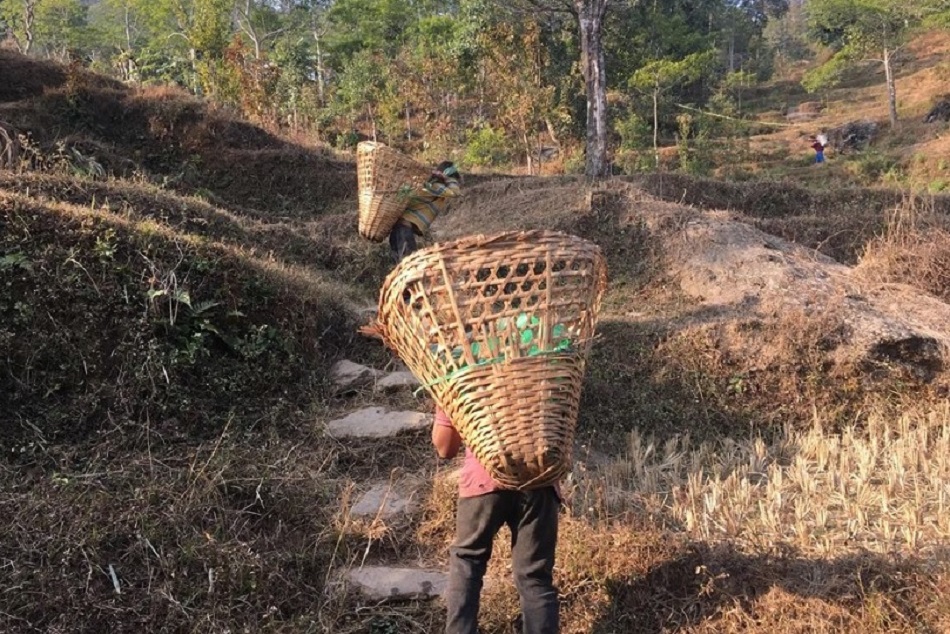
x=385 y=180
x=498 y=330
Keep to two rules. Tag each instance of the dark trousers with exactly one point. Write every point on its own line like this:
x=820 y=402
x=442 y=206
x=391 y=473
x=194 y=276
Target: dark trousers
x=402 y=240
x=532 y=518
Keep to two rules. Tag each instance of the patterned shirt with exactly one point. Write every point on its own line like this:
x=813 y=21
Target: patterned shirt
x=427 y=203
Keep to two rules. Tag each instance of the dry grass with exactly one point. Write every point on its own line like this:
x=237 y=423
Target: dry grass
x=879 y=488
x=914 y=249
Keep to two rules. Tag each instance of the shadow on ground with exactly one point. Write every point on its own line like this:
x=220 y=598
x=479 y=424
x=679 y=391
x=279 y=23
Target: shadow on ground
x=708 y=587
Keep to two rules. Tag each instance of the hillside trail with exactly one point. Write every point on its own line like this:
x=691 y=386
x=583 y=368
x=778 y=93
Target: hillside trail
x=382 y=504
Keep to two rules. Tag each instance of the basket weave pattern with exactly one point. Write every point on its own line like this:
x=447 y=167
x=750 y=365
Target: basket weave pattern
x=498 y=330
x=385 y=179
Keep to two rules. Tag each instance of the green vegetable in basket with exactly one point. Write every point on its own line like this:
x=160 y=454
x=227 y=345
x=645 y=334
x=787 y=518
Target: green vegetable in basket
x=528 y=329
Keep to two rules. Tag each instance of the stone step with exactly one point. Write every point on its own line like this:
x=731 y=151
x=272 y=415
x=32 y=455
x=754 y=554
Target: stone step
x=396 y=380
x=381 y=582
x=387 y=499
x=348 y=376
x=377 y=422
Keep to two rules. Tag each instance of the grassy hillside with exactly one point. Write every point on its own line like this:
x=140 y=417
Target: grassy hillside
x=174 y=285
x=910 y=156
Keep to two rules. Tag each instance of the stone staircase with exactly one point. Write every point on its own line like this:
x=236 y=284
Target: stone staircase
x=384 y=499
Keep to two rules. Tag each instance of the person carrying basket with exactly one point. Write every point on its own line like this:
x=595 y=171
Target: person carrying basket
x=424 y=205
x=483 y=508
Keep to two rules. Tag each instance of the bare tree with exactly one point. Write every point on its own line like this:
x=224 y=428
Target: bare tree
x=590 y=18
x=248 y=20
x=590 y=15
x=20 y=23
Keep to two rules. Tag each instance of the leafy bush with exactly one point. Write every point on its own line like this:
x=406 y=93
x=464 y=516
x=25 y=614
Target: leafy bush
x=487 y=146
x=575 y=161
x=938 y=185
x=692 y=144
x=635 y=132
x=870 y=167
x=632 y=161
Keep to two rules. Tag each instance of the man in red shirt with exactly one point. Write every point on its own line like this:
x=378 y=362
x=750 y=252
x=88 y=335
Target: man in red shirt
x=819 y=147
x=483 y=508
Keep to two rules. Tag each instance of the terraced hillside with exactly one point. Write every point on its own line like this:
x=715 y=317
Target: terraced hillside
x=177 y=289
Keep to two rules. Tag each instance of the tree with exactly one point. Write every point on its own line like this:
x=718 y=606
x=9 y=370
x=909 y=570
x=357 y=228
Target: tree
x=514 y=61
x=20 y=18
x=861 y=30
x=205 y=27
x=662 y=75
x=124 y=27
x=259 y=22
x=590 y=18
x=362 y=86
x=60 y=26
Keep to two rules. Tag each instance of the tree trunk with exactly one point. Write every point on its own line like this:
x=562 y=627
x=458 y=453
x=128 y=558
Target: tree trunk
x=891 y=87
x=195 y=82
x=551 y=132
x=29 y=16
x=527 y=151
x=590 y=16
x=321 y=75
x=732 y=51
x=372 y=118
x=656 y=126
x=130 y=69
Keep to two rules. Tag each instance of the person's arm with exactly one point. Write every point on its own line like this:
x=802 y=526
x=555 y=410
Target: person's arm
x=445 y=438
x=446 y=188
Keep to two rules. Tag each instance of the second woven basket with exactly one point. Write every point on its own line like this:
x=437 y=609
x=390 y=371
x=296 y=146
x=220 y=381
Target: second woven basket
x=498 y=330
x=385 y=179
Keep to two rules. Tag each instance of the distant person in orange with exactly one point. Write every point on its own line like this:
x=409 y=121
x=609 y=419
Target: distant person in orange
x=425 y=204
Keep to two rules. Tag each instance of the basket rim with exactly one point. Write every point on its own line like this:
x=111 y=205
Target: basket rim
x=480 y=240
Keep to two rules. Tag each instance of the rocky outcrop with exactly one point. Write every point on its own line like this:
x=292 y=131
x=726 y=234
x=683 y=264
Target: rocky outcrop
x=740 y=274
x=939 y=112
x=852 y=136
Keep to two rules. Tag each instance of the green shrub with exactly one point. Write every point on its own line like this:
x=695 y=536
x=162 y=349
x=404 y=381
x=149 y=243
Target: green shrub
x=870 y=166
x=487 y=146
x=632 y=161
x=575 y=161
x=938 y=185
x=635 y=132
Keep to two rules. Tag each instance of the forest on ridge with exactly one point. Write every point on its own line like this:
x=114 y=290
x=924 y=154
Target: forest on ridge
x=510 y=83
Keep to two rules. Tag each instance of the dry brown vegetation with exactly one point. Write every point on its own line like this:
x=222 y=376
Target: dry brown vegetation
x=914 y=249
x=164 y=342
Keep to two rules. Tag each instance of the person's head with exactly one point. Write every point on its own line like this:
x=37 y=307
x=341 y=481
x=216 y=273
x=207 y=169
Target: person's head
x=449 y=169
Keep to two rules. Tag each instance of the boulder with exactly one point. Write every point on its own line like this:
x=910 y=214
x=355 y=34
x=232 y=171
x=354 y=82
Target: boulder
x=742 y=276
x=852 y=136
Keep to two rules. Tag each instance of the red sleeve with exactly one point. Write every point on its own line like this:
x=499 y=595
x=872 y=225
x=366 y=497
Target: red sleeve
x=442 y=419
